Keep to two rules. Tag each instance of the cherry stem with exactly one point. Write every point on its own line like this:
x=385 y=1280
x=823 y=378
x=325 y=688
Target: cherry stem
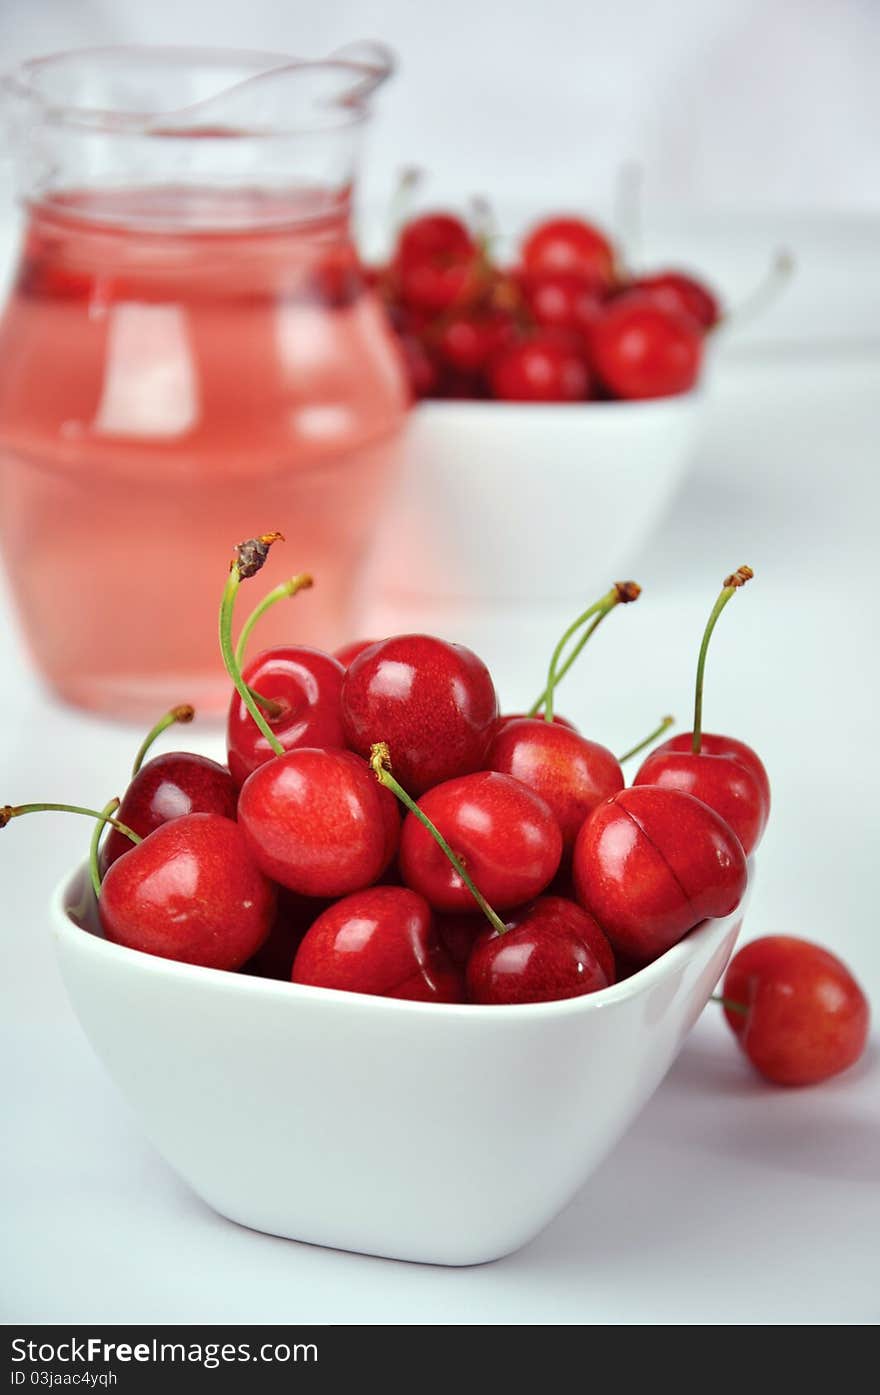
x=248 y=559
x=95 y=844
x=732 y=584
x=621 y=592
x=302 y=582
x=380 y=760
x=730 y=1005
x=766 y=291
x=665 y=724
x=181 y=713
x=14 y=811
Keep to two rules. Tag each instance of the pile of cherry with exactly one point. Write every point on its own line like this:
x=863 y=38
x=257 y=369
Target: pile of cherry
x=523 y=870
x=565 y=324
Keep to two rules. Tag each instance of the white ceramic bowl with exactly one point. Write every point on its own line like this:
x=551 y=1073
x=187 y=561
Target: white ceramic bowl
x=444 y=1134
x=507 y=501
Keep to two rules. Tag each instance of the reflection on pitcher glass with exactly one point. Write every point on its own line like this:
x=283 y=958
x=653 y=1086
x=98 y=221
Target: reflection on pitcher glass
x=189 y=356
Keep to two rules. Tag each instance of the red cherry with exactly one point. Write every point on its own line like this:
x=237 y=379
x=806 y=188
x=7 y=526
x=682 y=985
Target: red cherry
x=433 y=235
x=641 y=350
x=565 y=302
x=317 y=822
x=510 y=717
x=554 y=911
x=544 y=956
x=434 y=703
x=718 y=776
x=683 y=294
x=569 y=245
x=569 y=772
x=503 y=832
x=168 y=787
x=438 y=283
x=651 y=863
x=466 y=342
x=349 y=652
x=306 y=684
x=806 y=1017
x=724 y=773
x=380 y=941
x=190 y=891
x=541 y=368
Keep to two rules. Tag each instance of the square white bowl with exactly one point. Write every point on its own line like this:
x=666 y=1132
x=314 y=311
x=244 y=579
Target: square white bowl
x=438 y=1133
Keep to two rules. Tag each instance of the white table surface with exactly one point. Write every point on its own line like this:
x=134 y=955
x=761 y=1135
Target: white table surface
x=728 y=1202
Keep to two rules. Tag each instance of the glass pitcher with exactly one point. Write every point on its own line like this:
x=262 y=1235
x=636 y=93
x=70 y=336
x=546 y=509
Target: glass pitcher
x=189 y=356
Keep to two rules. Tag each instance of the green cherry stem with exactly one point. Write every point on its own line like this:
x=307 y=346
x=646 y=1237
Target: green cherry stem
x=14 y=811
x=620 y=593
x=730 y=1005
x=95 y=844
x=665 y=724
x=247 y=561
x=732 y=584
x=182 y=713
x=380 y=760
x=287 y=588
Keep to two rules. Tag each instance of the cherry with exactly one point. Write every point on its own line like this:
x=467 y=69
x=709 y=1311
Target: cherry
x=503 y=832
x=349 y=652
x=422 y=373
x=721 y=771
x=380 y=941
x=555 y=911
x=651 y=863
x=682 y=294
x=571 y=246
x=543 y=367
x=169 y=787
x=434 y=703
x=569 y=772
x=641 y=350
x=512 y=717
x=190 y=891
x=466 y=342
x=564 y=301
x=433 y=235
x=545 y=955
x=439 y=282
x=795 y=1010
x=317 y=823
x=305 y=687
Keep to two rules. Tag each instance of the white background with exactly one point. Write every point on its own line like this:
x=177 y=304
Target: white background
x=728 y=1202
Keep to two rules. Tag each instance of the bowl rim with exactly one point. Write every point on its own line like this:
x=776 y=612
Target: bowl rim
x=481 y=406
x=65 y=928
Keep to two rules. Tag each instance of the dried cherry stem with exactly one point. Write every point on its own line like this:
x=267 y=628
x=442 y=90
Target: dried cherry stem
x=302 y=582
x=730 y=1005
x=95 y=845
x=621 y=593
x=182 y=713
x=665 y=724
x=380 y=760
x=732 y=584
x=247 y=560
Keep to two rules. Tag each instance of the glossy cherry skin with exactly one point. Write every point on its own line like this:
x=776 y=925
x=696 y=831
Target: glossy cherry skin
x=318 y=822
x=543 y=367
x=434 y=703
x=308 y=684
x=719 y=775
x=165 y=788
x=433 y=235
x=545 y=955
x=555 y=911
x=684 y=294
x=651 y=863
x=349 y=652
x=807 y=1018
x=380 y=941
x=564 y=302
x=569 y=246
x=505 y=834
x=466 y=342
x=641 y=350
x=190 y=891
x=571 y=773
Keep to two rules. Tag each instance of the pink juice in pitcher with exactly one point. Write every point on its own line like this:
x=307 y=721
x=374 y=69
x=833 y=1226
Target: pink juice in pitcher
x=164 y=394
x=189 y=356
